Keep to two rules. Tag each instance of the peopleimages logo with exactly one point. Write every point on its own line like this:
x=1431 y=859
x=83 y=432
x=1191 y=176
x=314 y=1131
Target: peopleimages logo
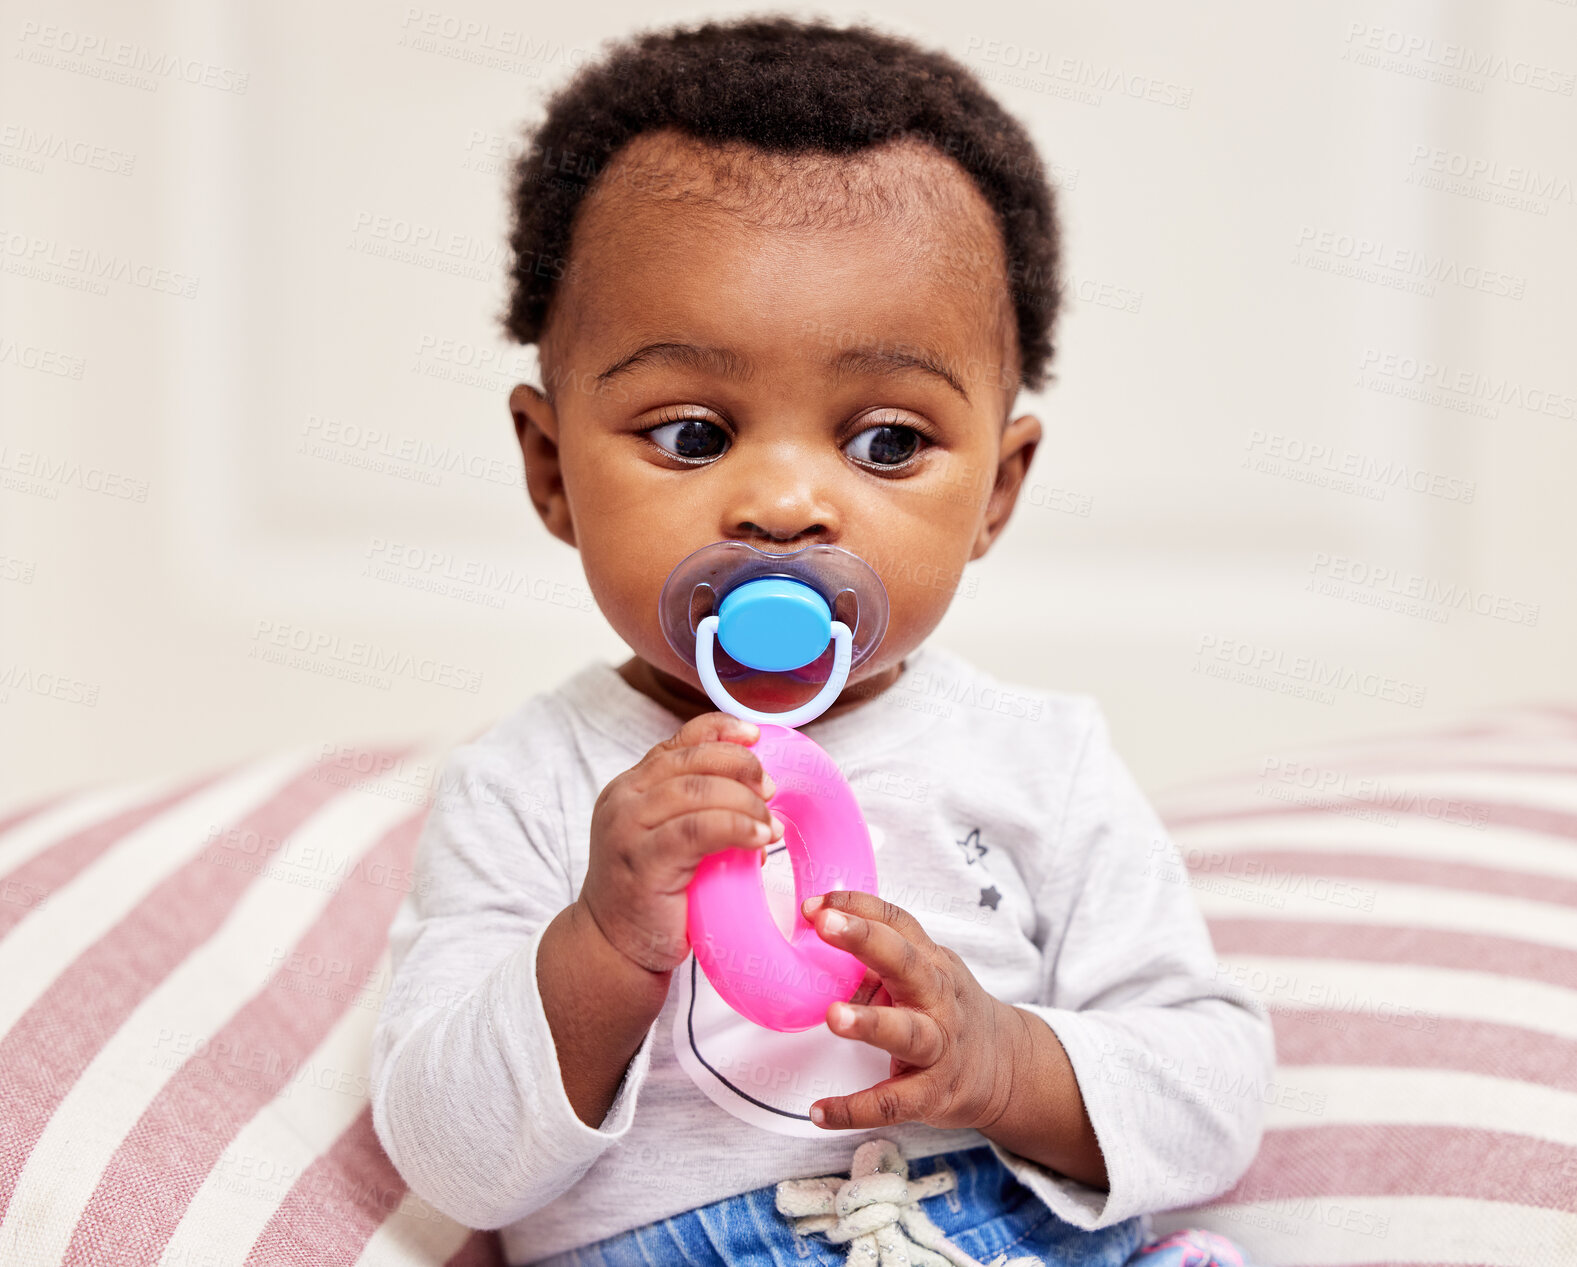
x=354 y=659
x=119 y=61
x=23 y=678
x=503 y=47
x=471 y=580
x=33 y=147
x=405 y=457
x=1236 y=659
x=936 y=693
x=85 y=268
x=1330 y=787
x=1511 y=177
x=1304 y=994
x=26 y=471
x=1403 y=267
x=1447 y=62
x=1411 y=593
x=1347 y=470
x=1043 y=70
x=1457 y=387
x=29 y=356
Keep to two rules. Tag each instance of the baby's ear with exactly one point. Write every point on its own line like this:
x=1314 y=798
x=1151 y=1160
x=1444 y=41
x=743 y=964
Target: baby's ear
x=1019 y=439
x=537 y=429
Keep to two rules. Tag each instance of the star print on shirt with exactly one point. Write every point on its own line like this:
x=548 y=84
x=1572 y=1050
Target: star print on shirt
x=990 y=897
x=973 y=849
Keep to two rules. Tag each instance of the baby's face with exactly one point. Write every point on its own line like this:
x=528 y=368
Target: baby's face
x=784 y=358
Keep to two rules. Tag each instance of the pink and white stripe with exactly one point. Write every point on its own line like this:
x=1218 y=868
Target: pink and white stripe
x=1420 y=963
x=189 y=974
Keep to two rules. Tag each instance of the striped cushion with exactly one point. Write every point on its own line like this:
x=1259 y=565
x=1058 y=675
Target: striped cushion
x=189 y=976
x=1408 y=911
x=190 y=972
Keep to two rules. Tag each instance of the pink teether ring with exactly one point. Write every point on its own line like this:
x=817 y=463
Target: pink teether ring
x=779 y=612
x=782 y=983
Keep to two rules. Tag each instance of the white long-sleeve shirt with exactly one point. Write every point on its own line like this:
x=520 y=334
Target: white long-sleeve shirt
x=1002 y=820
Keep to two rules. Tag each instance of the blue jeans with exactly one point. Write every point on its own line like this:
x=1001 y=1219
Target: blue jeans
x=989 y=1211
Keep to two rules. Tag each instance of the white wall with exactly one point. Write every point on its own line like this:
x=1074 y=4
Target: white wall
x=1219 y=163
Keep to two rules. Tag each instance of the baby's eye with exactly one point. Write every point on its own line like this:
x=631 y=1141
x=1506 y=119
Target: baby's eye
x=690 y=439
x=886 y=445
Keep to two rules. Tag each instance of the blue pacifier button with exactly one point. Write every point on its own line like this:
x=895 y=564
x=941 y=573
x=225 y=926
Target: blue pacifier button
x=774 y=624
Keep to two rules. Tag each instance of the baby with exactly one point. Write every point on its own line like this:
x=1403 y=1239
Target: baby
x=786 y=281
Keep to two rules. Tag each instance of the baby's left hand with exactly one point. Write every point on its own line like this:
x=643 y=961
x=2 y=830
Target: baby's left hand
x=953 y=1045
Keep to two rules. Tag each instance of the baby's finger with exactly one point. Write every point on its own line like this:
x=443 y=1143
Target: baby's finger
x=913 y=1036
x=889 y=1102
x=712 y=726
x=731 y=760
x=907 y=972
x=686 y=793
x=868 y=906
x=869 y=989
x=687 y=838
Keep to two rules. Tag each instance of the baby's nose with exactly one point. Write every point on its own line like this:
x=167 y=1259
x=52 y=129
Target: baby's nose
x=780 y=502
x=767 y=539
x=782 y=519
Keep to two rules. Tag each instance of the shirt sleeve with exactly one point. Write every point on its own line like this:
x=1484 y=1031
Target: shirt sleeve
x=1172 y=1060
x=467 y=1095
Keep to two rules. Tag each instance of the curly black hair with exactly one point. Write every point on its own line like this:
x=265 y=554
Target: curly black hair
x=787 y=86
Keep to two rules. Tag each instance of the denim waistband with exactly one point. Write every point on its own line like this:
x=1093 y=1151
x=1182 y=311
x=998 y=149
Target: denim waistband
x=988 y=1211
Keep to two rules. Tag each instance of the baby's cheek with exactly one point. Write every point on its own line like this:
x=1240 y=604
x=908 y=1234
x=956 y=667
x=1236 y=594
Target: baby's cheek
x=920 y=599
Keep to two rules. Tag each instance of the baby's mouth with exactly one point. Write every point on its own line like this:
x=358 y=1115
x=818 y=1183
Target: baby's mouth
x=768 y=692
x=774 y=692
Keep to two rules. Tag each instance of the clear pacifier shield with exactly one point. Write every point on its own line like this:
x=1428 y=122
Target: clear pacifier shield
x=846 y=583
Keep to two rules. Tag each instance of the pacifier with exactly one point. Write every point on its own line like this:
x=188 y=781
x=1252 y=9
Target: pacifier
x=773 y=613
x=778 y=613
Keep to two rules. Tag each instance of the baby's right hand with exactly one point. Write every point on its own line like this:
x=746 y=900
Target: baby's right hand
x=701 y=791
